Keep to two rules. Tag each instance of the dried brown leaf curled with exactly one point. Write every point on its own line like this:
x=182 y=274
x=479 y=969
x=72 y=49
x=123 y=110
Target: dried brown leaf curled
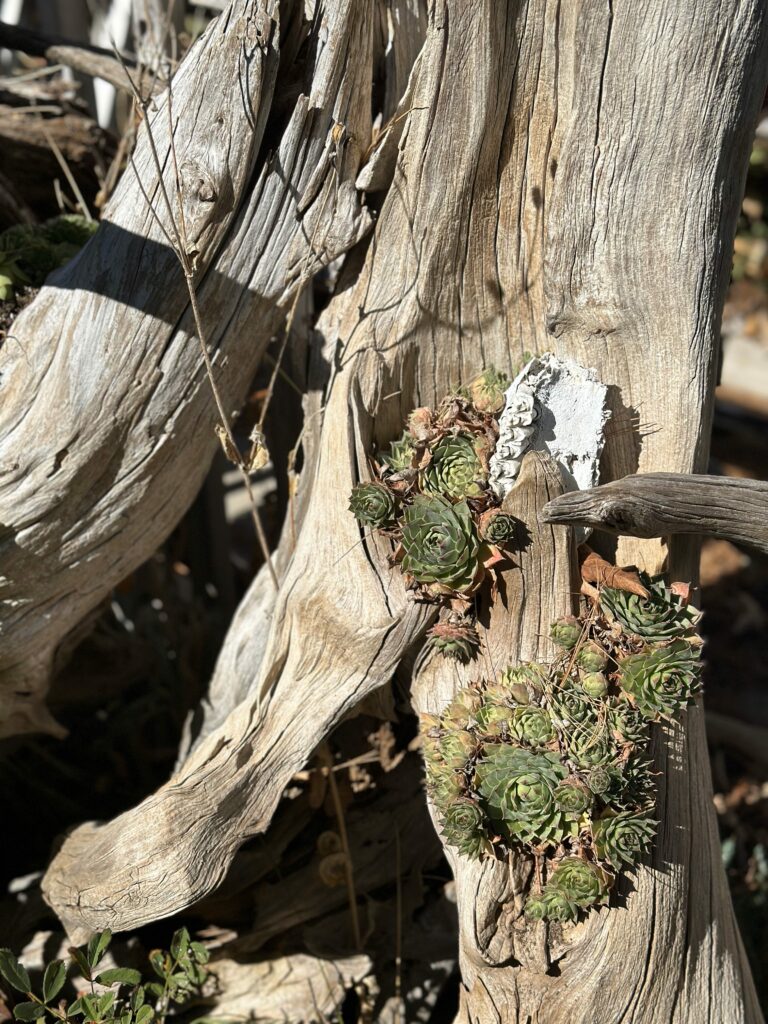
x=595 y=569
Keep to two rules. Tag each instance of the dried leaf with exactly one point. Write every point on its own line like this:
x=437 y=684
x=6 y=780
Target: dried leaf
x=258 y=455
x=230 y=450
x=595 y=569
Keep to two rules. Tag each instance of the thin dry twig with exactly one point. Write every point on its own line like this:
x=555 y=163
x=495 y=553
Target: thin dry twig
x=179 y=243
x=328 y=772
x=61 y=160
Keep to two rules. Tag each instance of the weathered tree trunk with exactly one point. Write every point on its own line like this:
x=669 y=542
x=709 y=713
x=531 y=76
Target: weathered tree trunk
x=567 y=178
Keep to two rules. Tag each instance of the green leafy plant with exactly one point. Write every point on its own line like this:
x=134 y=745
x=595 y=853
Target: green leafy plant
x=117 y=995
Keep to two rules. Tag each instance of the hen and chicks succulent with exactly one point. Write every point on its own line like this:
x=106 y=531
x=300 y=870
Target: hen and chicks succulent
x=552 y=759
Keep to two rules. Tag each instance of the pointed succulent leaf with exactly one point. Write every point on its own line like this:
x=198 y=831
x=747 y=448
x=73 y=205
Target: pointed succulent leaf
x=458 y=640
x=583 y=883
x=566 y=632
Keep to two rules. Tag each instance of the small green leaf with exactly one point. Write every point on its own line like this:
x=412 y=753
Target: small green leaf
x=126 y=1018
x=137 y=998
x=76 y=1009
x=199 y=952
x=79 y=958
x=121 y=975
x=91 y=1009
x=160 y=963
x=180 y=943
x=105 y=1003
x=28 y=1011
x=97 y=946
x=53 y=979
x=13 y=972
x=144 y=1014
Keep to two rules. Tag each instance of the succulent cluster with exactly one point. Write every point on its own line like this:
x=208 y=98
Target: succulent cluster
x=430 y=494
x=29 y=252
x=552 y=759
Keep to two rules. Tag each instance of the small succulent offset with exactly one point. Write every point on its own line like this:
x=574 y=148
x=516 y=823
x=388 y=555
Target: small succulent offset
x=455 y=637
x=552 y=759
x=430 y=495
x=373 y=504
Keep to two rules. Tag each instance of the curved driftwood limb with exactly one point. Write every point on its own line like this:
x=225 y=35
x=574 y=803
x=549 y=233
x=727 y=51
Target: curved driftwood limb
x=106 y=422
x=518 y=217
x=665 y=504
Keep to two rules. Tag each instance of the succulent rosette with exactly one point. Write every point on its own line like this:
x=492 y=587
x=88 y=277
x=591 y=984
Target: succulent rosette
x=455 y=469
x=523 y=683
x=592 y=658
x=570 y=706
x=498 y=528
x=441 y=547
x=456 y=639
x=457 y=747
x=517 y=788
x=401 y=454
x=566 y=632
x=531 y=726
x=583 y=883
x=621 y=838
x=373 y=504
x=660 y=616
x=594 y=684
x=590 y=745
x=463 y=826
x=487 y=392
x=662 y=680
x=573 y=796
x=551 y=905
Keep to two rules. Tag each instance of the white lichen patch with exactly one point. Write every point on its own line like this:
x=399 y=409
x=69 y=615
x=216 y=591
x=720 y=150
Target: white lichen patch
x=553 y=406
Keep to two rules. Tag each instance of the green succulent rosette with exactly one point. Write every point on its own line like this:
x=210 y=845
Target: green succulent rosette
x=440 y=544
x=658 y=617
x=456 y=747
x=463 y=826
x=590 y=745
x=662 y=680
x=621 y=838
x=573 y=797
x=551 y=905
x=602 y=779
x=570 y=706
x=493 y=719
x=592 y=658
x=517 y=788
x=463 y=708
x=566 y=632
x=523 y=683
x=531 y=726
x=373 y=505
x=400 y=455
x=628 y=724
x=70 y=229
x=445 y=784
x=583 y=883
x=594 y=684
x=455 y=469
x=498 y=528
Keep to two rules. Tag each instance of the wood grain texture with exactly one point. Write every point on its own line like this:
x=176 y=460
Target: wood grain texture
x=568 y=178
x=106 y=421
x=667 y=504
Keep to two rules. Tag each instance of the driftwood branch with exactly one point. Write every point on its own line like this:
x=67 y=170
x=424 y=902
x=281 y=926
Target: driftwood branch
x=666 y=504
x=90 y=60
x=106 y=425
